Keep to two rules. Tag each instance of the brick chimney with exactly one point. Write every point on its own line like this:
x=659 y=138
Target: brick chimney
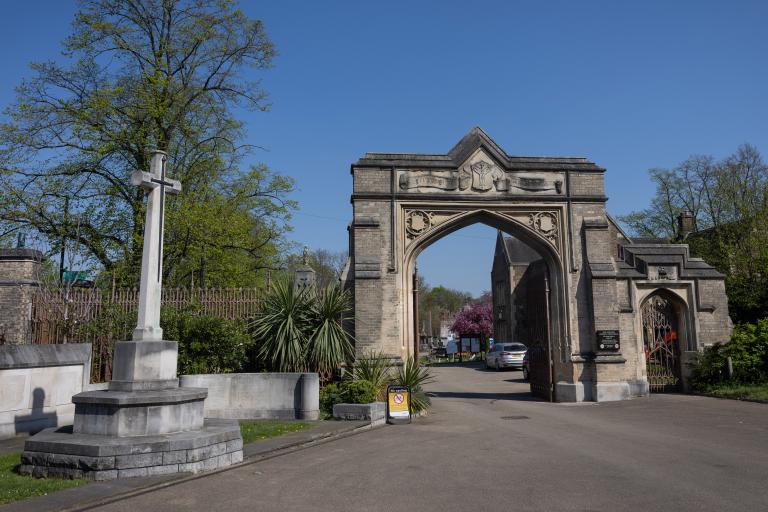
x=686 y=224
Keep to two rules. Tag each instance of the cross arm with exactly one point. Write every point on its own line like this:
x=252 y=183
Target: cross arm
x=148 y=181
x=142 y=179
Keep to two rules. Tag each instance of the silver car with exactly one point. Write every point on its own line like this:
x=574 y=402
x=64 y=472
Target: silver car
x=506 y=355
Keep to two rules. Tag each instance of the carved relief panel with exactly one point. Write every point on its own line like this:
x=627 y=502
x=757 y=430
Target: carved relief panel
x=662 y=272
x=481 y=174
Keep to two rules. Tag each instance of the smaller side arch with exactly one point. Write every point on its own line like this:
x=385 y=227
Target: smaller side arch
x=665 y=321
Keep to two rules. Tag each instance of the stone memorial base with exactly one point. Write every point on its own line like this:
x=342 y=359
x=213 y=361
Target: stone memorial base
x=139 y=413
x=145 y=431
x=63 y=453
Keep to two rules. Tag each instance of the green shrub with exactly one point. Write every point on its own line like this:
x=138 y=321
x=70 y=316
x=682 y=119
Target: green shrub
x=207 y=344
x=415 y=376
x=349 y=392
x=376 y=368
x=748 y=350
x=329 y=396
x=358 y=392
x=112 y=323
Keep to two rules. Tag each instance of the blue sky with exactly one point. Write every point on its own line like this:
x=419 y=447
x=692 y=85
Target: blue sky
x=630 y=85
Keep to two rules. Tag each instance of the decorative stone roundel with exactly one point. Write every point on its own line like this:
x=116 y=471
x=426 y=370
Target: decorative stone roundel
x=417 y=222
x=545 y=223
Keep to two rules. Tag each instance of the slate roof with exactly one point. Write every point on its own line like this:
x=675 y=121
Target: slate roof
x=476 y=138
x=638 y=256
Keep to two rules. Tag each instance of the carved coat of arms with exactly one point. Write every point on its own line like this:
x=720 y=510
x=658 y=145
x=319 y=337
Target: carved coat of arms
x=482 y=177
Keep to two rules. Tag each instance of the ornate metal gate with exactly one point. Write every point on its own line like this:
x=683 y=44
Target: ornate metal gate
x=662 y=352
x=539 y=370
x=539 y=350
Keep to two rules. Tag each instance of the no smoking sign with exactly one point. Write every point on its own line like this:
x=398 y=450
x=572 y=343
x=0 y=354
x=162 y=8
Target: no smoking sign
x=398 y=404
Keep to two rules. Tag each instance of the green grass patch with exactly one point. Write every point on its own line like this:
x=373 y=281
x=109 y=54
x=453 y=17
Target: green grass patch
x=15 y=487
x=739 y=391
x=258 y=430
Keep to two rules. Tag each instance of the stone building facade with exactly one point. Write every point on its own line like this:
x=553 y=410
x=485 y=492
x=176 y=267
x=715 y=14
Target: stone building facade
x=517 y=289
x=592 y=345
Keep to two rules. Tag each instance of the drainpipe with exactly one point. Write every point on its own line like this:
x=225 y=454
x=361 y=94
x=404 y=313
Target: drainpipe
x=392 y=219
x=549 y=340
x=416 y=313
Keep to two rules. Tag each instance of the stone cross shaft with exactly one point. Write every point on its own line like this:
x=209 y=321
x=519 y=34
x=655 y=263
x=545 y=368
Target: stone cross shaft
x=157 y=185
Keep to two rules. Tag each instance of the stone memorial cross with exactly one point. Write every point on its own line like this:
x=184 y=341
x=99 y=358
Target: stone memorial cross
x=157 y=185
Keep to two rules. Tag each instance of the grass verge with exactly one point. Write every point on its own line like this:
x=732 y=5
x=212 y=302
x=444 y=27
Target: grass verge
x=739 y=391
x=15 y=487
x=258 y=430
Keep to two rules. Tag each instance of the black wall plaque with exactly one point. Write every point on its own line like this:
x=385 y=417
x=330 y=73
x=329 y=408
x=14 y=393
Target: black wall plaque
x=608 y=340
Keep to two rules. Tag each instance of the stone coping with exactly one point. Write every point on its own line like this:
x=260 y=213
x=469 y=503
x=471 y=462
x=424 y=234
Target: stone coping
x=37 y=356
x=374 y=412
x=21 y=254
x=234 y=375
x=138 y=398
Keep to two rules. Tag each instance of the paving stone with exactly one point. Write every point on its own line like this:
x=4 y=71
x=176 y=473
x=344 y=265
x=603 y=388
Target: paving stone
x=210 y=464
x=163 y=470
x=103 y=475
x=224 y=460
x=206 y=452
x=66 y=460
x=191 y=467
x=234 y=445
x=139 y=460
x=175 y=457
x=132 y=472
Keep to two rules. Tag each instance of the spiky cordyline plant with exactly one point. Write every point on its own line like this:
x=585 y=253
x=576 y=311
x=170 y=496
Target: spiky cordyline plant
x=328 y=343
x=301 y=330
x=281 y=327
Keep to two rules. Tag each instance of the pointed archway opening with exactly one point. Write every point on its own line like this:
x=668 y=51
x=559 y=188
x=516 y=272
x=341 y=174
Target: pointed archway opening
x=664 y=336
x=534 y=296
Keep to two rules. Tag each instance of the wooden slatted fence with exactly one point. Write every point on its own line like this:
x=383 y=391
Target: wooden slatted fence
x=101 y=317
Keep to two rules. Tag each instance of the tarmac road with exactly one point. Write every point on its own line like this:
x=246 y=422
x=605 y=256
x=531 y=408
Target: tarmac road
x=487 y=445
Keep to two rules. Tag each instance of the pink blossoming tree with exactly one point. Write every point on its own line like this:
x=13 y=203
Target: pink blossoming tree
x=474 y=320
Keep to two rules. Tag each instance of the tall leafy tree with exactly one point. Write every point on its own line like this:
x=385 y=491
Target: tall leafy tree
x=438 y=303
x=729 y=203
x=140 y=75
x=715 y=193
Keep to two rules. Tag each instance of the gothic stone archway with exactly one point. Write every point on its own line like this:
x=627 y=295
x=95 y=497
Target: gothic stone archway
x=402 y=203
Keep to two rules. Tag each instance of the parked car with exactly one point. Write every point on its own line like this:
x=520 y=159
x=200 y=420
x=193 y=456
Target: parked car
x=505 y=355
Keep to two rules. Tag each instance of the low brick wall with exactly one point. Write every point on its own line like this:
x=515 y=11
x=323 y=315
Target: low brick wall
x=37 y=383
x=259 y=395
